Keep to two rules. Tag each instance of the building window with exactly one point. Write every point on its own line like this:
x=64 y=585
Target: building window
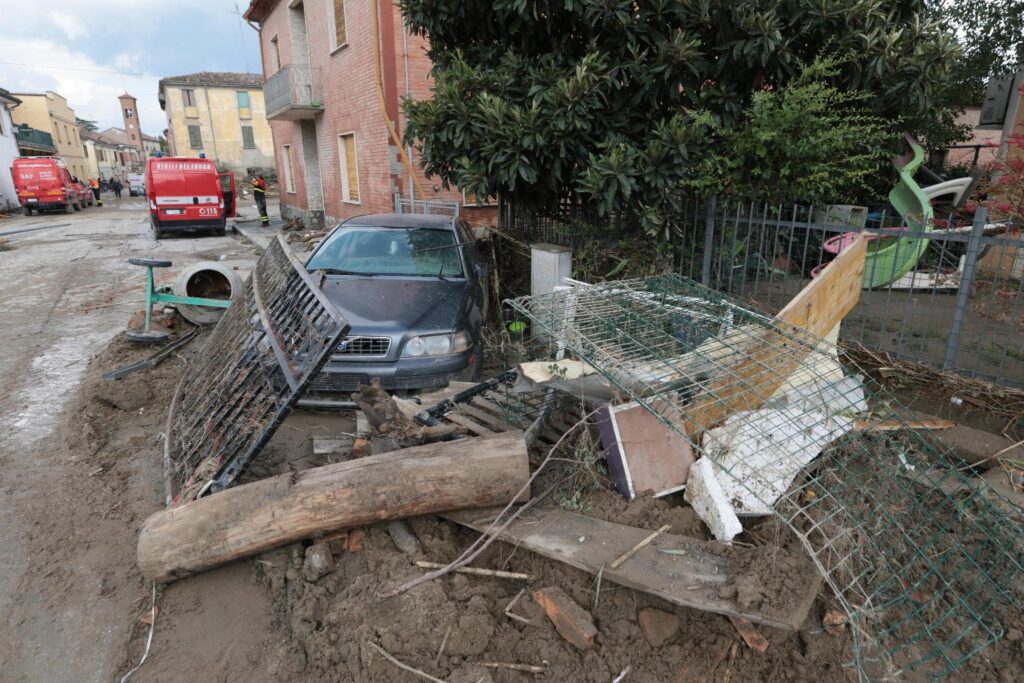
x=195 y=137
x=336 y=21
x=349 y=168
x=85 y=150
x=129 y=114
x=275 y=56
x=244 y=110
x=188 y=97
x=289 y=168
x=248 y=142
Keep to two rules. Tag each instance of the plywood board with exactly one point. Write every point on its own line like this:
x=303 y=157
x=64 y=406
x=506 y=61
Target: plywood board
x=691 y=576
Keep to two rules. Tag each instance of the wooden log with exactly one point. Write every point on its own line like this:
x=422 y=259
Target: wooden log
x=243 y=521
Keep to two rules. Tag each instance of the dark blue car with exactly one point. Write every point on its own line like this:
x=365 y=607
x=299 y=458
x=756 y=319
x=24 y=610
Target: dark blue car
x=414 y=290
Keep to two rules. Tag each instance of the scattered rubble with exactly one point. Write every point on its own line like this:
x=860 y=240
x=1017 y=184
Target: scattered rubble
x=571 y=621
x=658 y=626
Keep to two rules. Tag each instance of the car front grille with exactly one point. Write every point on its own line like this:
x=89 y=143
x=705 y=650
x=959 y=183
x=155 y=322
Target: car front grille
x=337 y=381
x=344 y=382
x=363 y=347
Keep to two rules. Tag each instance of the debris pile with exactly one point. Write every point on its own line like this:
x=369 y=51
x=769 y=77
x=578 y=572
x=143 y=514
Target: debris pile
x=696 y=400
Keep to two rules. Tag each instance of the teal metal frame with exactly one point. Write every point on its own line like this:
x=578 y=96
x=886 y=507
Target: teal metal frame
x=155 y=295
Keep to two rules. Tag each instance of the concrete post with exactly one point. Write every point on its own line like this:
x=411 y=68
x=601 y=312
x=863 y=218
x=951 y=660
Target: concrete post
x=549 y=264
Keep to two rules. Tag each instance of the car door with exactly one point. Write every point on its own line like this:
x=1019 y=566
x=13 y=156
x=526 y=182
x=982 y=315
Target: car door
x=476 y=269
x=227 y=188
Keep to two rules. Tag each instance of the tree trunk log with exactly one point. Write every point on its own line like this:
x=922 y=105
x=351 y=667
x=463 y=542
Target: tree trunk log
x=249 y=519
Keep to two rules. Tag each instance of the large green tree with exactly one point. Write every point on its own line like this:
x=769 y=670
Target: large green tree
x=617 y=102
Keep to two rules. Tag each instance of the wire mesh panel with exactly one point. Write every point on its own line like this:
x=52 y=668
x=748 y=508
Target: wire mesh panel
x=919 y=555
x=255 y=365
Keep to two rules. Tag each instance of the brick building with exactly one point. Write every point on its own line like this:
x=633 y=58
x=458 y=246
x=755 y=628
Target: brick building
x=336 y=157
x=49 y=112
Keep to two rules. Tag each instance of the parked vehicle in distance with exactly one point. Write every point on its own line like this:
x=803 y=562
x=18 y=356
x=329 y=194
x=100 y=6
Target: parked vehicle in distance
x=184 y=195
x=414 y=289
x=44 y=184
x=85 y=197
x=136 y=184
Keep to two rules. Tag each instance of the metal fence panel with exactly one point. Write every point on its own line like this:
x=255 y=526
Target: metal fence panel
x=961 y=307
x=255 y=365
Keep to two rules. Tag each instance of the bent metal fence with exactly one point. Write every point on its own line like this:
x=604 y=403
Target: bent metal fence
x=271 y=342
x=960 y=307
x=922 y=558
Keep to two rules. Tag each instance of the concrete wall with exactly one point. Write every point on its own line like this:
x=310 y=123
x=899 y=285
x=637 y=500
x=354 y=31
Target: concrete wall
x=220 y=122
x=51 y=114
x=351 y=105
x=8 y=153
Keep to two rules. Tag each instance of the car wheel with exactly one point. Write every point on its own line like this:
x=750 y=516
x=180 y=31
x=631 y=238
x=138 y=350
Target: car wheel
x=220 y=232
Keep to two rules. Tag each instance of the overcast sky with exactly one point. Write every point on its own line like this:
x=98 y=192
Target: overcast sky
x=91 y=51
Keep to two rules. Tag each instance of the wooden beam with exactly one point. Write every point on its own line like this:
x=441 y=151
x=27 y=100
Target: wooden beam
x=249 y=519
x=775 y=354
x=692 y=575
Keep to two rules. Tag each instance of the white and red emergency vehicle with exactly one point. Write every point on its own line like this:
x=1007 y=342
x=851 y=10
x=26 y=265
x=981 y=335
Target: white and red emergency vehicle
x=43 y=183
x=185 y=195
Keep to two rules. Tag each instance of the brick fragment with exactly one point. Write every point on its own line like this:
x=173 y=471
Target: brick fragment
x=570 y=620
x=657 y=625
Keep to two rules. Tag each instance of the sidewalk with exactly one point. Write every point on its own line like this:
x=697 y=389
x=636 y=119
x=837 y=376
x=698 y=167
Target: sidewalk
x=247 y=224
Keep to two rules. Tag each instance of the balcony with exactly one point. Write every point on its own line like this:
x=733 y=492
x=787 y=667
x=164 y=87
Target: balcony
x=32 y=142
x=294 y=93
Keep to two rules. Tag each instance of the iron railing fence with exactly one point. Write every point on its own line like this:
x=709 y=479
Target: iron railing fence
x=960 y=306
x=439 y=207
x=294 y=92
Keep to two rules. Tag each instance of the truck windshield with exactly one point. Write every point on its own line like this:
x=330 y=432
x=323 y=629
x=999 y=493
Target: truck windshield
x=390 y=251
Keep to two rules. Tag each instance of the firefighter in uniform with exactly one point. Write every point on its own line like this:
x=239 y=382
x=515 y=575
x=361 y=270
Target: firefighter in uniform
x=259 y=190
x=94 y=185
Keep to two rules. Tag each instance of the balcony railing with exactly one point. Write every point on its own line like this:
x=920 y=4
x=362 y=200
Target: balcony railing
x=293 y=93
x=32 y=141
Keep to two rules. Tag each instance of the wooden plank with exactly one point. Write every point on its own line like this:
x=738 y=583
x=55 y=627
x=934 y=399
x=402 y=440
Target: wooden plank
x=754 y=376
x=693 y=579
x=469 y=424
x=335 y=443
x=249 y=519
x=483 y=417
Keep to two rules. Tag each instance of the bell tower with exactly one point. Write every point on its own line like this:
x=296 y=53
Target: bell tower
x=130 y=114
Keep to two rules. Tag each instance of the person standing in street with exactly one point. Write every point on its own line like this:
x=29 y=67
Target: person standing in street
x=116 y=186
x=259 y=191
x=94 y=185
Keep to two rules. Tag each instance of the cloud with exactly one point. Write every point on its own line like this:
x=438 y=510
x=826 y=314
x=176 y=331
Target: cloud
x=72 y=27
x=89 y=86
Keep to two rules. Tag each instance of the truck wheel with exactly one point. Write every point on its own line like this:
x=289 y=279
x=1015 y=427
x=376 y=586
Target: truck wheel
x=69 y=208
x=28 y=211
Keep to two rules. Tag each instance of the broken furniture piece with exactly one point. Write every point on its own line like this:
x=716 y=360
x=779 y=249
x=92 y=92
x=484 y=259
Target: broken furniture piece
x=249 y=519
x=254 y=366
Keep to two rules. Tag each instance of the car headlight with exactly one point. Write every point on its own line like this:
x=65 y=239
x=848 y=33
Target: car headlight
x=436 y=345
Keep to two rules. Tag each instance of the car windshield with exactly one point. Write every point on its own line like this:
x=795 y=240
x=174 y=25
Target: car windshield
x=390 y=251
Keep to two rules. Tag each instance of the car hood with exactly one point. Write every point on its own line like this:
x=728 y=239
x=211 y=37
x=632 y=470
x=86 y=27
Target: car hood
x=390 y=303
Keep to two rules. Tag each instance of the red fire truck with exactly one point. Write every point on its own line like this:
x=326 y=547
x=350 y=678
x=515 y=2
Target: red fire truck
x=186 y=195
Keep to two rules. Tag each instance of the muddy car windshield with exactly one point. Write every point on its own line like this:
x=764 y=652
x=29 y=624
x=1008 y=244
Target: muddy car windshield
x=390 y=251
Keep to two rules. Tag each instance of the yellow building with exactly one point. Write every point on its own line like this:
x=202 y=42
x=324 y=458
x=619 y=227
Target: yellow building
x=50 y=113
x=220 y=115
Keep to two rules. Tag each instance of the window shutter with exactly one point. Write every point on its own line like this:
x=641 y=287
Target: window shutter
x=351 y=167
x=339 y=23
x=247 y=138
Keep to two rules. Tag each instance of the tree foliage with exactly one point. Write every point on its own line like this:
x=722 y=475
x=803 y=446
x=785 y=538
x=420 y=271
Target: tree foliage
x=992 y=37
x=620 y=102
x=808 y=141
x=88 y=124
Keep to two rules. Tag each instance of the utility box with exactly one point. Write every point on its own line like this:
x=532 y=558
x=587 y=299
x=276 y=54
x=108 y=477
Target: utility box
x=549 y=265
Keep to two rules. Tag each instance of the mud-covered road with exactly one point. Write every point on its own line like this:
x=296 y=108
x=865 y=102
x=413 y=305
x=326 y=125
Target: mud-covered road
x=69 y=593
